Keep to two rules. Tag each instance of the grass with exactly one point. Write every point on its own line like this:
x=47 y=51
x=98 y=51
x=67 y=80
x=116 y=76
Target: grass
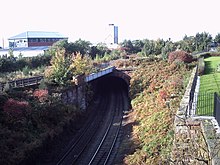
x=209 y=83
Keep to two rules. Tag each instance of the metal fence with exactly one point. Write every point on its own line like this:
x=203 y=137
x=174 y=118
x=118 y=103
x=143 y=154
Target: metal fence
x=204 y=104
x=21 y=82
x=201 y=104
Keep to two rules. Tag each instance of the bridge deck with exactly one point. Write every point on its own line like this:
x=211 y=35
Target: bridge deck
x=99 y=74
x=36 y=80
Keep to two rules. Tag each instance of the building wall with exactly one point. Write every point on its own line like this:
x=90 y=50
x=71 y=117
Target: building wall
x=42 y=41
x=18 y=43
x=30 y=44
x=24 y=53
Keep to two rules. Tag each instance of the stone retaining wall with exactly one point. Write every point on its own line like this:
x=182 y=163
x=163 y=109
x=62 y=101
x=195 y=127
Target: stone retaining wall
x=75 y=95
x=195 y=138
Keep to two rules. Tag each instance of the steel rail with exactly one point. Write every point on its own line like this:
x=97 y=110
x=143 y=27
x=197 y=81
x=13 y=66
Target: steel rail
x=104 y=139
x=85 y=138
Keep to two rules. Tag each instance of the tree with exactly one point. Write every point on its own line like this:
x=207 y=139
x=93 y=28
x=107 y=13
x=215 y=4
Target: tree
x=82 y=46
x=60 y=72
x=217 y=38
x=188 y=44
x=169 y=47
x=128 y=46
x=202 y=41
x=81 y=64
x=158 y=45
x=148 y=47
x=100 y=49
x=137 y=46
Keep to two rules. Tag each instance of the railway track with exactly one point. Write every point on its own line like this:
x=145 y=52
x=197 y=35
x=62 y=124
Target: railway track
x=78 y=145
x=103 y=152
x=96 y=141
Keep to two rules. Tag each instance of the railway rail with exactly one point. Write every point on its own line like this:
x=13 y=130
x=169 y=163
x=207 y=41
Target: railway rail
x=103 y=152
x=96 y=141
x=79 y=144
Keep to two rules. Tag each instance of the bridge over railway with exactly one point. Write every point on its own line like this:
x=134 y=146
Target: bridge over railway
x=78 y=80
x=77 y=94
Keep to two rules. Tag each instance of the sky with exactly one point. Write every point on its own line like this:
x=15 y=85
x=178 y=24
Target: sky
x=90 y=19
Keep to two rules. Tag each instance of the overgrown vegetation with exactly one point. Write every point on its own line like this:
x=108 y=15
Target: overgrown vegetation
x=179 y=56
x=156 y=90
x=12 y=64
x=28 y=120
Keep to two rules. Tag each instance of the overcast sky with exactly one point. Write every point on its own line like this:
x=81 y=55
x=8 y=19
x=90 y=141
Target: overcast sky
x=89 y=19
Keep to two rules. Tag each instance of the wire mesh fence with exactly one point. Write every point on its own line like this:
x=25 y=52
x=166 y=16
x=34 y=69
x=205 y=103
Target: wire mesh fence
x=204 y=104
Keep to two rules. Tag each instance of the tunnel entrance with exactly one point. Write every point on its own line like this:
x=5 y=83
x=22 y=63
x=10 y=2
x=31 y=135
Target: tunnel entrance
x=107 y=84
x=111 y=84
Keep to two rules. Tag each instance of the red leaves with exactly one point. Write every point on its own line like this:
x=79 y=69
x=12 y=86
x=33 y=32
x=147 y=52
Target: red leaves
x=15 y=108
x=179 y=56
x=163 y=95
x=41 y=94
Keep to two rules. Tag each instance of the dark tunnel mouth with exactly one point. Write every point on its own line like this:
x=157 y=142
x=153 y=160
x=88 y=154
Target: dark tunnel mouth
x=112 y=83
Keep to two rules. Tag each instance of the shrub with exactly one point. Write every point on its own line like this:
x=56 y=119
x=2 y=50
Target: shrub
x=201 y=66
x=3 y=99
x=214 y=54
x=218 y=68
x=41 y=94
x=15 y=108
x=180 y=56
x=26 y=70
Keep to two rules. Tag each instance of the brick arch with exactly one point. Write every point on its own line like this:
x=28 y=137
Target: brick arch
x=122 y=75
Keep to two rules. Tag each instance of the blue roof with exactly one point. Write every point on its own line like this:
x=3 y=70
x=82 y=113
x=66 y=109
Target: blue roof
x=27 y=48
x=37 y=34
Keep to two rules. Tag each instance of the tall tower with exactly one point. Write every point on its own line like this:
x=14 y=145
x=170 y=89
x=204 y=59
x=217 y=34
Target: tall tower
x=115 y=34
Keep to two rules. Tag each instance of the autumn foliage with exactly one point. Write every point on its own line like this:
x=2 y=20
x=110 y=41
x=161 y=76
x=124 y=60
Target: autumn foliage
x=156 y=89
x=179 y=56
x=15 y=108
x=41 y=94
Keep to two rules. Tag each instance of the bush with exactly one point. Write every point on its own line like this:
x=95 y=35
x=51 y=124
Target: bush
x=26 y=70
x=8 y=64
x=41 y=94
x=3 y=99
x=201 y=65
x=15 y=108
x=215 y=54
x=180 y=56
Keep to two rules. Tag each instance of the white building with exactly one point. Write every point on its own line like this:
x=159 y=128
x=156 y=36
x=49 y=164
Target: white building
x=31 y=43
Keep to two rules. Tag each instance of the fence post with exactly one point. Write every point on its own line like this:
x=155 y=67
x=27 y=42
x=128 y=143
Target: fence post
x=215 y=102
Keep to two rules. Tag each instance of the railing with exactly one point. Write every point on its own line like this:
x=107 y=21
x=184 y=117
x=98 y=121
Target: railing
x=204 y=104
x=99 y=74
x=36 y=80
x=21 y=82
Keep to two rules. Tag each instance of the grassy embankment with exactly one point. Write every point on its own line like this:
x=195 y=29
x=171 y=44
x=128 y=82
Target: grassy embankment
x=156 y=90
